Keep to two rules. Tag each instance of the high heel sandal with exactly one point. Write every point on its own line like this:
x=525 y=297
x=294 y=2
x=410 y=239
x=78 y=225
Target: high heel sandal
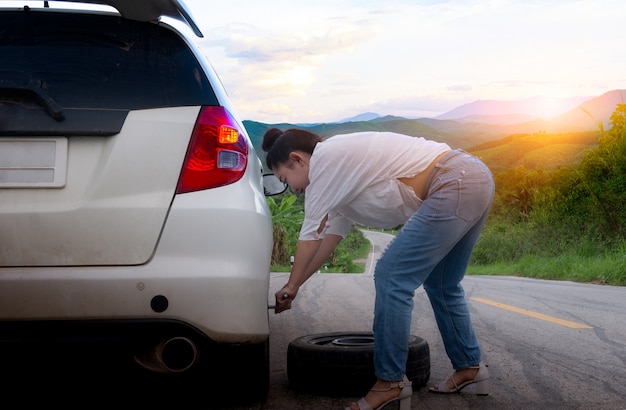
x=481 y=379
x=404 y=397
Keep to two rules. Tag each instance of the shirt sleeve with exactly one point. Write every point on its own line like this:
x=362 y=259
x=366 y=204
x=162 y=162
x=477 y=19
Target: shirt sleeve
x=338 y=225
x=335 y=224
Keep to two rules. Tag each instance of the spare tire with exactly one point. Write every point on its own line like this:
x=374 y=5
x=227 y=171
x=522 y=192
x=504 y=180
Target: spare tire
x=343 y=363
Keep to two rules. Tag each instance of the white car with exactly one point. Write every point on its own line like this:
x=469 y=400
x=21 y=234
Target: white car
x=132 y=207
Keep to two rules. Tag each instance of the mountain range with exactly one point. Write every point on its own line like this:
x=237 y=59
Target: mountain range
x=474 y=123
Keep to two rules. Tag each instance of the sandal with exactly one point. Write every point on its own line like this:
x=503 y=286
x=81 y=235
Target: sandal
x=481 y=379
x=404 y=397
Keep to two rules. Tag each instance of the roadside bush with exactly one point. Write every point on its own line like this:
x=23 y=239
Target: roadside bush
x=349 y=249
x=502 y=240
x=287 y=217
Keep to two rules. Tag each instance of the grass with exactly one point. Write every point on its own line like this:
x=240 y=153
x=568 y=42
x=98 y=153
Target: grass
x=356 y=251
x=576 y=265
x=608 y=269
x=362 y=252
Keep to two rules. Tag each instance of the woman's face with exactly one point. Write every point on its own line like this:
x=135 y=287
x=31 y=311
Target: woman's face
x=294 y=173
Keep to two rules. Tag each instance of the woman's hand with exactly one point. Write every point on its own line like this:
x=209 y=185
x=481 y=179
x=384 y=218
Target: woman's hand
x=284 y=298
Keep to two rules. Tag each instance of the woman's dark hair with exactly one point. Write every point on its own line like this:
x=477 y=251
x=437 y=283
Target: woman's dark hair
x=278 y=144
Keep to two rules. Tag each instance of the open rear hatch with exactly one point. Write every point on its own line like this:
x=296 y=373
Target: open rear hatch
x=150 y=10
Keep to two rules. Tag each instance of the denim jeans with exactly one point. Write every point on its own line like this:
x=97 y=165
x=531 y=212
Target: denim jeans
x=433 y=248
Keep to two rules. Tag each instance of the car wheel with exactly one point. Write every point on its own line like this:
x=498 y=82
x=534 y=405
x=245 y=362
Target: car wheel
x=343 y=362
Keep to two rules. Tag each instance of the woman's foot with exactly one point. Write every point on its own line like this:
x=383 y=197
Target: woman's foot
x=382 y=393
x=459 y=377
x=464 y=377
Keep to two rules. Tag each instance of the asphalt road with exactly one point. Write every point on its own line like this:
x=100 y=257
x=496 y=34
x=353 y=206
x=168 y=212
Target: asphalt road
x=549 y=345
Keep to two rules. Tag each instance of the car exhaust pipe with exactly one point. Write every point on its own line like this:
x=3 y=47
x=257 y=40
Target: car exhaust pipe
x=173 y=355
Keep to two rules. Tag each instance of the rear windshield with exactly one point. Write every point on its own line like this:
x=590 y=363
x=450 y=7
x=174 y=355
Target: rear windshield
x=83 y=61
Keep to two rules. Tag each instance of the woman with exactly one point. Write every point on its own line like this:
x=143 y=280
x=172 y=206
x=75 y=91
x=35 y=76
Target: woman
x=381 y=179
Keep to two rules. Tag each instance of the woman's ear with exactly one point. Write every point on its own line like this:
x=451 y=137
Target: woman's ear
x=295 y=157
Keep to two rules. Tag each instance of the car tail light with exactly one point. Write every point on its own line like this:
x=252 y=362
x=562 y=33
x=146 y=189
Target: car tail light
x=217 y=154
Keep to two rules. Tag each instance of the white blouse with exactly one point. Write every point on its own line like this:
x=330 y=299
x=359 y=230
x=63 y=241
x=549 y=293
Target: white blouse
x=354 y=179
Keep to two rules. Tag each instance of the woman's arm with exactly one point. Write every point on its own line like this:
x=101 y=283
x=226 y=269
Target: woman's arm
x=310 y=256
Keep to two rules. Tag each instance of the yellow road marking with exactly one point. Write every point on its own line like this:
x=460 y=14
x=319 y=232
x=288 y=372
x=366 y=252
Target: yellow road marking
x=536 y=315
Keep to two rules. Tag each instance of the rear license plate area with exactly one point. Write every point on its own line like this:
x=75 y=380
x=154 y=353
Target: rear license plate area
x=33 y=162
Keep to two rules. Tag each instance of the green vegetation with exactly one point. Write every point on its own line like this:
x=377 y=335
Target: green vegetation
x=538 y=151
x=558 y=212
x=287 y=215
x=564 y=224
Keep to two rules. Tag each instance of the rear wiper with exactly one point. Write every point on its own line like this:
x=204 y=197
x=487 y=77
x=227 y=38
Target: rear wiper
x=34 y=87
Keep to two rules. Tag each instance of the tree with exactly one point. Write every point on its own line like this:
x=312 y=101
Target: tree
x=287 y=217
x=594 y=194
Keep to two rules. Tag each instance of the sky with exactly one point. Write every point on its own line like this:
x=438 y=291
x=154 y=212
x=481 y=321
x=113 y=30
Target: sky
x=326 y=60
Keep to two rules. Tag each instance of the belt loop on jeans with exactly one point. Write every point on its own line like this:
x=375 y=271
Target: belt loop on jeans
x=447 y=156
x=437 y=167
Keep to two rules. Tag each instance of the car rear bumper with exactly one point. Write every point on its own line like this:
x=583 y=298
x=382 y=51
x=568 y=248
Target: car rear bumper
x=215 y=283
x=208 y=304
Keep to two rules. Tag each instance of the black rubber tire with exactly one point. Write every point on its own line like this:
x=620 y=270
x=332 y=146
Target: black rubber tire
x=343 y=363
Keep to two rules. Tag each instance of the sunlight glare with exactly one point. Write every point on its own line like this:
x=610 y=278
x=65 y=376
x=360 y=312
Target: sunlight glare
x=549 y=108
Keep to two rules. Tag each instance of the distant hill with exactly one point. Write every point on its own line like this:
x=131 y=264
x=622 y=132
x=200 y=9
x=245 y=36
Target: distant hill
x=510 y=112
x=479 y=125
x=536 y=151
x=592 y=112
x=588 y=115
x=455 y=134
x=366 y=116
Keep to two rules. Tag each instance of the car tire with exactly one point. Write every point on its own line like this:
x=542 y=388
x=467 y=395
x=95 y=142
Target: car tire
x=343 y=363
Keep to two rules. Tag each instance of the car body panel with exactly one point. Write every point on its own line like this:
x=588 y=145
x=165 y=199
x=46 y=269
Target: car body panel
x=114 y=237
x=86 y=222
x=198 y=267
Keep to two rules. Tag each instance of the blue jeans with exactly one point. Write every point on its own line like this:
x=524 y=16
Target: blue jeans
x=433 y=248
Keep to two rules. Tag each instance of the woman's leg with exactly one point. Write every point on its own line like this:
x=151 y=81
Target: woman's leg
x=447 y=298
x=441 y=234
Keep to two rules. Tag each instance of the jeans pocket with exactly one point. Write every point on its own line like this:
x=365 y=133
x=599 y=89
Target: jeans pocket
x=475 y=195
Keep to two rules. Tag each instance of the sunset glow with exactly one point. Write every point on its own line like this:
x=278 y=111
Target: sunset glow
x=327 y=60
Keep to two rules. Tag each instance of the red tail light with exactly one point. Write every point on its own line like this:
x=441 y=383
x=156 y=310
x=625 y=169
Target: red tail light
x=217 y=154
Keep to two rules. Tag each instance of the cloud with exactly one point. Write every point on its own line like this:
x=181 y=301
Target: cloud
x=459 y=88
x=250 y=44
x=310 y=61
x=265 y=68
x=275 y=109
